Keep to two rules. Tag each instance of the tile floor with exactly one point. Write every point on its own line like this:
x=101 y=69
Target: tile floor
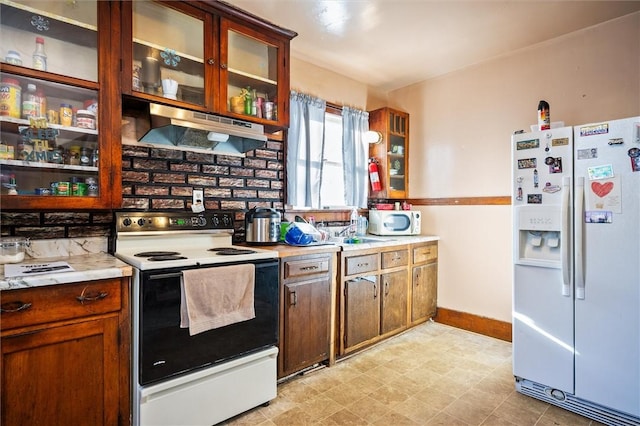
x=431 y=375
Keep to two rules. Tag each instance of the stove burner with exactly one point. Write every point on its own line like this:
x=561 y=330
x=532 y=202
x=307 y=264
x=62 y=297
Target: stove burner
x=156 y=253
x=161 y=258
x=231 y=251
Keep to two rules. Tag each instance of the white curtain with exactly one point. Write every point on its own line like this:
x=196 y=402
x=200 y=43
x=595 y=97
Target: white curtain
x=355 y=152
x=305 y=144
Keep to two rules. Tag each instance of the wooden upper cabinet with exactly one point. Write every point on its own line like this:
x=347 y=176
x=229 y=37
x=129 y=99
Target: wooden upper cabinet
x=392 y=153
x=220 y=59
x=58 y=140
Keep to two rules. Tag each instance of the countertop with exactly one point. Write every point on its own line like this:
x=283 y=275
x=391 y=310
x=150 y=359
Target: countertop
x=285 y=250
x=87 y=267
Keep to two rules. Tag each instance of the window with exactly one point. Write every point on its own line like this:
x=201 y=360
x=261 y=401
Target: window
x=332 y=184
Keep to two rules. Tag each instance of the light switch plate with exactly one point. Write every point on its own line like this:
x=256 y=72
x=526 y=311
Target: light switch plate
x=198 y=197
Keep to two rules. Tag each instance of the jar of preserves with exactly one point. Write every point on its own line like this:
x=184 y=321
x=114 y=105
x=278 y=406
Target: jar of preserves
x=86 y=119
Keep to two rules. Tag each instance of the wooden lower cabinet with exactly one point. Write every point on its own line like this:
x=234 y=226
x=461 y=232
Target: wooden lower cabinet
x=424 y=281
x=374 y=296
x=306 y=310
x=361 y=310
x=65 y=354
x=394 y=301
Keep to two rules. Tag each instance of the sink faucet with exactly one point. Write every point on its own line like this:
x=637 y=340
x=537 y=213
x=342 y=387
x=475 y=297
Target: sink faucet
x=349 y=229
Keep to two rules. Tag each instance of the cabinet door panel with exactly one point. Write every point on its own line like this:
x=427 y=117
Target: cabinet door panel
x=63 y=375
x=307 y=316
x=362 y=310
x=394 y=301
x=424 y=294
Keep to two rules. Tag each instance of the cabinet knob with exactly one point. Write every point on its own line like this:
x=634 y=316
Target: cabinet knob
x=211 y=61
x=223 y=66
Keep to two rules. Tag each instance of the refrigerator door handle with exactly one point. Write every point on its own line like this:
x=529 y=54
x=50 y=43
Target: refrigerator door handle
x=579 y=230
x=564 y=236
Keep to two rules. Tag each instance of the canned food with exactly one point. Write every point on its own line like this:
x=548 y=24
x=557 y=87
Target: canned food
x=86 y=119
x=79 y=188
x=53 y=116
x=10 y=97
x=43 y=191
x=63 y=188
x=92 y=189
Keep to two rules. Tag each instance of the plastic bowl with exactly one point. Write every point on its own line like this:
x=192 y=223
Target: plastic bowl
x=297 y=237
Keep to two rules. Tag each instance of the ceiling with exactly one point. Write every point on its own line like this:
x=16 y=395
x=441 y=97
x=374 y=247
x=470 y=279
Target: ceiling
x=389 y=44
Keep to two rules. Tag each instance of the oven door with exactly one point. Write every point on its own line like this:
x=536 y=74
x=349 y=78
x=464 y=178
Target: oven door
x=165 y=350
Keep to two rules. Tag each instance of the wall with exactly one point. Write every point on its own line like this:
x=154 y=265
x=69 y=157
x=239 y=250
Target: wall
x=461 y=125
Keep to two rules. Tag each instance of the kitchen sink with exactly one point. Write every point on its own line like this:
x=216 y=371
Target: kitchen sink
x=365 y=240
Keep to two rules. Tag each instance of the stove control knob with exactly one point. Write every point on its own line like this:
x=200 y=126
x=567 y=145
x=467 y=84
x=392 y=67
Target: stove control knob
x=126 y=221
x=226 y=220
x=141 y=222
x=202 y=221
x=215 y=220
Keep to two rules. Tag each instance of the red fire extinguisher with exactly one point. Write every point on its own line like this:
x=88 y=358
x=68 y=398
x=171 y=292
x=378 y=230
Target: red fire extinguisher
x=374 y=177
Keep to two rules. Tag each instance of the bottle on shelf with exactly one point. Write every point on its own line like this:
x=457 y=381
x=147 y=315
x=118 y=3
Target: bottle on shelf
x=39 y=57
x=30 y=102
x=248 y=101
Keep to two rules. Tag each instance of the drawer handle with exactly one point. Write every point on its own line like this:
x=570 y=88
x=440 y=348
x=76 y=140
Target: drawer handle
x=309 y=268
x=91 y=297
x=16 y=306
x=360 y=265
x=293 y=298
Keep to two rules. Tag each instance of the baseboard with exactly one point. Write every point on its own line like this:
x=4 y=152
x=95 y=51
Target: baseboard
x=481 y=325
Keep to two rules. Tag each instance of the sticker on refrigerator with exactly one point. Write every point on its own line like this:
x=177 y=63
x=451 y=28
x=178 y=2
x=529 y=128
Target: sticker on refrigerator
x=530 y=144
x=604 y=194
x=586 y=154
x=550 y=189
x=560 y=142
x=527 y=163
x=600 y=172
x=598 y=217
x=634 y=154
x=555 y=164
x=534 y=198
x=596 y=129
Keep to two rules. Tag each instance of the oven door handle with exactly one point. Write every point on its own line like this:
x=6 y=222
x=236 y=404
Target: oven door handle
x=163 y=276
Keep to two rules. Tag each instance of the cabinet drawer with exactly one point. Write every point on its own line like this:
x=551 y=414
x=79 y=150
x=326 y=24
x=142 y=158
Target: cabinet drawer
x=301 y=268
x=359 y=264
x=25 y=307
x=392 y=259
x=425 y=253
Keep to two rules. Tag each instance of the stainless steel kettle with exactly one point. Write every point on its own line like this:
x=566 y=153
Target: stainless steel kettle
x=262 y=226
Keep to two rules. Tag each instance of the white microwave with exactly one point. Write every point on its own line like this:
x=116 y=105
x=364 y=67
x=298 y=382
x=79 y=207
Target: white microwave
x=394 y=222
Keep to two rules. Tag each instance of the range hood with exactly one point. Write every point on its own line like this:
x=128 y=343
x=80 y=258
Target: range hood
x=186 y=130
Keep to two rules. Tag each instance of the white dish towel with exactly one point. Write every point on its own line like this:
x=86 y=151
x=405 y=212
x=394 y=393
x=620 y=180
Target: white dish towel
x=215 y=297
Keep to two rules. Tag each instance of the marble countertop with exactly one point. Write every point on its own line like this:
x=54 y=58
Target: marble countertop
x=87 y=267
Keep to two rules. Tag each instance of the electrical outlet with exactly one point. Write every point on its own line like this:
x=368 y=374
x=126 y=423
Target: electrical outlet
x=198 y=197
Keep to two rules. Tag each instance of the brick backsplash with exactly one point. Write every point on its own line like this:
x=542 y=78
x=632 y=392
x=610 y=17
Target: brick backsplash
x=161 y=179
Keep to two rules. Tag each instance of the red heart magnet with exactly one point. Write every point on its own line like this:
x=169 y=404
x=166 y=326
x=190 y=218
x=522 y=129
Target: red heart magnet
x=601 y=189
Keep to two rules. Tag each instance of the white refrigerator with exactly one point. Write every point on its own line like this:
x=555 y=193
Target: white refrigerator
x=576 y=275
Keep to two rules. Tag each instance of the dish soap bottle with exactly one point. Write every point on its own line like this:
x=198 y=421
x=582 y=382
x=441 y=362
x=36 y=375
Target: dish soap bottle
x=353 y=222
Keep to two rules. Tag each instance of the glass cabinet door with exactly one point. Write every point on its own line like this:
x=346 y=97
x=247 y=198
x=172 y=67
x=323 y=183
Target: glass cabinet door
x=55 y=36
x=250 y=70
x=397 y=147
x=49 y=142
x=168 y=52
